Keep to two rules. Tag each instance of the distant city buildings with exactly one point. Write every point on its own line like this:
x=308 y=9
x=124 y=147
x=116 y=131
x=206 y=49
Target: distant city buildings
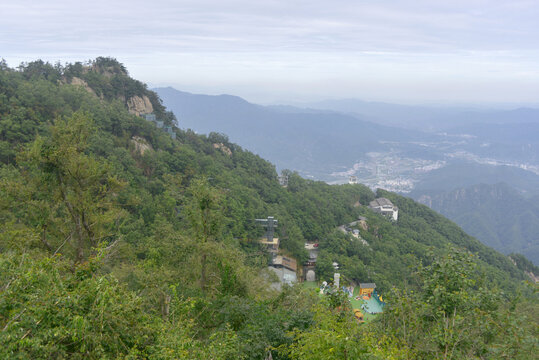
x=389 y=171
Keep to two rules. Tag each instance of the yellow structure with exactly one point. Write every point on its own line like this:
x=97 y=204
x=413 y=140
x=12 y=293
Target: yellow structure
x=366 y=288
x=358 y=314
x=271 y=246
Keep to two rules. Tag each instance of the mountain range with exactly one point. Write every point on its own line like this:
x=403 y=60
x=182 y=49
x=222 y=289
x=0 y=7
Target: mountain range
x=430 y=118
x=415 y=150
x=315 y=143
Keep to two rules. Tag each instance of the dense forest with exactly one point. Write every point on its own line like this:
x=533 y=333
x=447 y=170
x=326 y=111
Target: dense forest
x=119 y=240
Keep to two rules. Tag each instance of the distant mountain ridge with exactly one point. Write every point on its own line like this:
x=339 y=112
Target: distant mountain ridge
x=293 y=138
x=431 y=118
x=510 y=135
x=463 y=174
x=496 y=214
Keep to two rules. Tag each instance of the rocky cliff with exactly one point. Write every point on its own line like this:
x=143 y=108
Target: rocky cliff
x=138 y=105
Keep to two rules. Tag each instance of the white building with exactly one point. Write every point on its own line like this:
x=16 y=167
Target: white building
x=385 y=207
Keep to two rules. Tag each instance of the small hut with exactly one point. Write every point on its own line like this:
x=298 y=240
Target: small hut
x=366 y=288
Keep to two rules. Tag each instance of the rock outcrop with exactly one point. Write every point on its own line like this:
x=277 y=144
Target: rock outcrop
x=139 y=105
x=224 y=149
x=79 y=82
x=141 y=145
x=532 y=276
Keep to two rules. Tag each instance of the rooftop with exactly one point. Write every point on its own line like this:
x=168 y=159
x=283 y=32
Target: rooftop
x=286 y=262
x=381 y=202
x=265 y=241
x=367 y=286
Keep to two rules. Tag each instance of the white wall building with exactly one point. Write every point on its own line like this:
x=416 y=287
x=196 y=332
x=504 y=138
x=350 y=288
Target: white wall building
x=385 y=207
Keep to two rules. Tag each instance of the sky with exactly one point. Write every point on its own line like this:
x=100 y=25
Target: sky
x=269 y=51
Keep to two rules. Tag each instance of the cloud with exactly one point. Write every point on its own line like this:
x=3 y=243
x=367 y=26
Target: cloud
x=300 y=41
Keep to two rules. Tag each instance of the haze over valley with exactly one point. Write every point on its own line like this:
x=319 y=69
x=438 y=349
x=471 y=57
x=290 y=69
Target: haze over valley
x=420 y=151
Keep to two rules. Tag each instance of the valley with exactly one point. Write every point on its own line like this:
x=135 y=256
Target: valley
x=432 y=151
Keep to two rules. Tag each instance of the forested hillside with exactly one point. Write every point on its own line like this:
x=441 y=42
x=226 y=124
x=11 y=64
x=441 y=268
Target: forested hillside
x=119 y=240
x=496 y=214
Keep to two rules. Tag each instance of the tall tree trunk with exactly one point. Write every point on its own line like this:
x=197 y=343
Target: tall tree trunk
x=203 y=273
x=44 y=238
x=80 y=241
x=76 y=218
x=165 y=306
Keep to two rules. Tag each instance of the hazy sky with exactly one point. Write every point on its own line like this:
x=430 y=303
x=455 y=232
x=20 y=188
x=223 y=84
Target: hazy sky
x=271 y=50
